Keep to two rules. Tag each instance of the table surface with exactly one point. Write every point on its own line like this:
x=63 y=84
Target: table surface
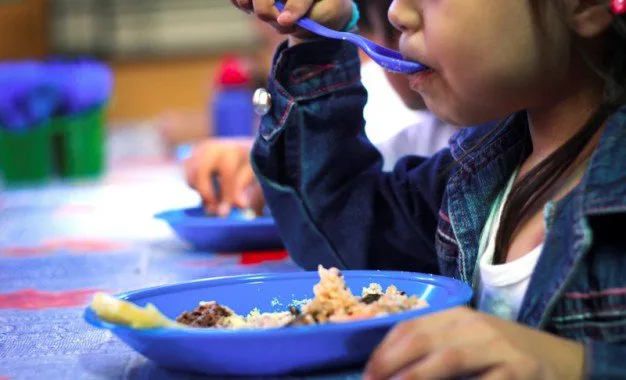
x=61 y=242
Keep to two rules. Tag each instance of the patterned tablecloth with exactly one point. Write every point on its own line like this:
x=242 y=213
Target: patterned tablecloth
x=62 y=242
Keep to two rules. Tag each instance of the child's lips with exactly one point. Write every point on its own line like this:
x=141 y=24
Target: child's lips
x=418 y=80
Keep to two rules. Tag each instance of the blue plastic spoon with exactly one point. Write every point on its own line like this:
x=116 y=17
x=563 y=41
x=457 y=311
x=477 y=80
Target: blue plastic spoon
x=386 y=58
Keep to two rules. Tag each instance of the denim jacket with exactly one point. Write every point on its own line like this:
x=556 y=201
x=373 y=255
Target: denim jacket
x=335 y=206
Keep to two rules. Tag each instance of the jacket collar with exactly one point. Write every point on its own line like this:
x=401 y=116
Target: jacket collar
x=604 y=184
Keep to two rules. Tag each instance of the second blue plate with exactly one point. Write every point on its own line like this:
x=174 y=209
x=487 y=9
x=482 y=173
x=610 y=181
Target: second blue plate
x=231 y=234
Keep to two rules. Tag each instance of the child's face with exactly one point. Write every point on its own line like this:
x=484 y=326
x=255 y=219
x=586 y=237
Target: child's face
x=489 y=57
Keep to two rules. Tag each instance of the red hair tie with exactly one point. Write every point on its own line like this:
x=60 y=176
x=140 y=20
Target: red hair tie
x=618 y=7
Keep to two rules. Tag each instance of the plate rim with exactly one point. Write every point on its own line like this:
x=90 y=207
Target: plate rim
x=178 y=216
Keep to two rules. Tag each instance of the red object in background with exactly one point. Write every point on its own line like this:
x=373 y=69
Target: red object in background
x=233 y=71
x=73 y=246
x=33 y=299
x=257 y=257
x=618 y=7
x=36 y=250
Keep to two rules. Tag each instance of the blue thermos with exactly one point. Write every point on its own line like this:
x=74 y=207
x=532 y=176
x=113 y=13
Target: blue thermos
x=232 y=108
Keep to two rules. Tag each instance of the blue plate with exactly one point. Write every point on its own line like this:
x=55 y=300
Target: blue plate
x=289 y=350
x=231 y=234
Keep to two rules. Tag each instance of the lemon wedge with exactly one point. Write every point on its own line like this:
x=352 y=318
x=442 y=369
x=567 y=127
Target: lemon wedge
x=121 y=312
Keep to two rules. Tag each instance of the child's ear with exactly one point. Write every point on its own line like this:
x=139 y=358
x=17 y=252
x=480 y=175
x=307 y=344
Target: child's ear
x=590 y=19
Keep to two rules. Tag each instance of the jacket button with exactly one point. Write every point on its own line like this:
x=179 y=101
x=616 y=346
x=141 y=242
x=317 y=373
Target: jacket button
x=262 y=101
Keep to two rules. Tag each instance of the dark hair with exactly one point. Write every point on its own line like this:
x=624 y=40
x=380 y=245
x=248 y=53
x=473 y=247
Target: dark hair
x=378 y=9
x=364 y=24
x=533 y=190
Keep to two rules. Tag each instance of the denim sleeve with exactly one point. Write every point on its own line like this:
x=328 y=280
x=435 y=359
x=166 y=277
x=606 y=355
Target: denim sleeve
x=323 y=179
x=605 y=361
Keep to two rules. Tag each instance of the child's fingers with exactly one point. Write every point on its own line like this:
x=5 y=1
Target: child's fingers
x=265 y=10
x=195 y=178
x=189 y=168
x=245 y=177
x=294 y=10
x=256 y=198
x=228 y=168
x=204 y=187
x=236 y=4
x=201 y=176
x=245 y=5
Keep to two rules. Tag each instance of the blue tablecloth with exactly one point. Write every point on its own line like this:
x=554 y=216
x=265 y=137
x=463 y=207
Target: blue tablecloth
x=62 y=242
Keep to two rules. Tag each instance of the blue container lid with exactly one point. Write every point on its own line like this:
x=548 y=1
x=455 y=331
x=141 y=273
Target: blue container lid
x=27 y=98
x=84 y=85
x=32 y=92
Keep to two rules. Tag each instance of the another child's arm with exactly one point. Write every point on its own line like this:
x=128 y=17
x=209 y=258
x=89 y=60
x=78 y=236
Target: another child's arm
x=229 y=161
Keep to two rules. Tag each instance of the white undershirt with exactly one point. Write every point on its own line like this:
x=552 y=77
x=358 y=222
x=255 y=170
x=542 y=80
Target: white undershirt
x=502 y=287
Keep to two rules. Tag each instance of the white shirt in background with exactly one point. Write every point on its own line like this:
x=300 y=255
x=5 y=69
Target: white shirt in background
x=395 y=129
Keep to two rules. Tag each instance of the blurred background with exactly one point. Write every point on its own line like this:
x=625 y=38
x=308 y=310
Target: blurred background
x=127 y=65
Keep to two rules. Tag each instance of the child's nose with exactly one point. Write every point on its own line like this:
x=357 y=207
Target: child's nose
x=404 y=15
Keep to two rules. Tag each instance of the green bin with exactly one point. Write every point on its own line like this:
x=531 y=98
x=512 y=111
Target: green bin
x=79 y=142
x=69 y=147
x=25 y=156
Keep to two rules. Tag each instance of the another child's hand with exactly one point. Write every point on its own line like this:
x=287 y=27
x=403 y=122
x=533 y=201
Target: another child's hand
x=463 y=342
x=335 y=14
x=229 y=161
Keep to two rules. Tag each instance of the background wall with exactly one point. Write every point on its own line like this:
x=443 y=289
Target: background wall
x=148 y=84
x=144 y=89
x=23 y=29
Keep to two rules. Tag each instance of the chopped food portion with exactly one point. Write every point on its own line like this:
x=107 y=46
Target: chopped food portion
x=208 y=314
x=333 y=302
x=212 y=314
